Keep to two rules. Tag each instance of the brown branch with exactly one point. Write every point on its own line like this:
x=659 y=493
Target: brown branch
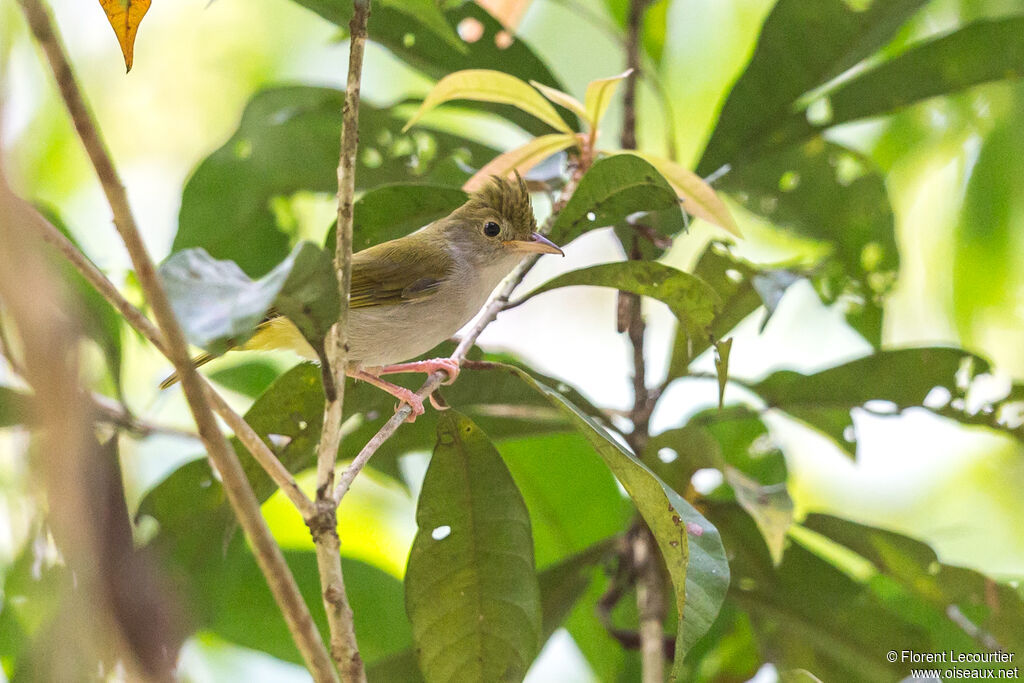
x=236 y=485
x=650 y=584
x=324 y=526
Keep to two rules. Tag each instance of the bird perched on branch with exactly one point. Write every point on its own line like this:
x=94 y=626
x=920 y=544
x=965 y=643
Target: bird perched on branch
x=410 y=294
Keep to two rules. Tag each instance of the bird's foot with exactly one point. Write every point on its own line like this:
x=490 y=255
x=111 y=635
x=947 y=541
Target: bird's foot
x=449 y=365
x=404 y=395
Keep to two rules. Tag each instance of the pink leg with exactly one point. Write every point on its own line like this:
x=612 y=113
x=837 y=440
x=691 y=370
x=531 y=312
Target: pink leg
x=447 y=364
x=401 y=393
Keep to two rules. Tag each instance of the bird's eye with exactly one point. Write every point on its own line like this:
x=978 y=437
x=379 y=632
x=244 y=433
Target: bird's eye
x=491 y=229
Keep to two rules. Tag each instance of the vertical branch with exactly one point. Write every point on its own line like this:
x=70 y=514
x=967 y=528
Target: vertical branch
x=650 y=586
x=236 y=485
x=324 y=527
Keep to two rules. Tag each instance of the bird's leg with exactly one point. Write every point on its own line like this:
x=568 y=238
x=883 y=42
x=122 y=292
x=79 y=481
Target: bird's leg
x=401 y=393
x=449 y=365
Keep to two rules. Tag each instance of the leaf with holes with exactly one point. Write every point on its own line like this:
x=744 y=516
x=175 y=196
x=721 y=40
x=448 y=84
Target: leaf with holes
x=287 y=142
x=885 y=382
x=520 y=159
x=689 y=298
x=219 y=306
x=613 y=188
x=689 y=544
x=124 y=17
x=470 y=588
x=485 y=85
x=698 y=198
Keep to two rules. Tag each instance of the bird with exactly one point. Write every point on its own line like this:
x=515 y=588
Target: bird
x=412 y=293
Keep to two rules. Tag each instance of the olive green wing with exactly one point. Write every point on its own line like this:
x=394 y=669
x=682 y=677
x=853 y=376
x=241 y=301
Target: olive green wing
x=397 y=271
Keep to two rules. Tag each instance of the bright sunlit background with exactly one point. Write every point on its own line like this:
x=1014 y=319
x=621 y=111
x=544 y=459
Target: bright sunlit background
x=198 y=62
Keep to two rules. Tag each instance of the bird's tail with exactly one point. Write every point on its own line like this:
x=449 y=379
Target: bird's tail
x=198 y=361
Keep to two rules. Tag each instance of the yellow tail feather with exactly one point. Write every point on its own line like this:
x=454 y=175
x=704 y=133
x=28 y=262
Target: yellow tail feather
x=199 y=361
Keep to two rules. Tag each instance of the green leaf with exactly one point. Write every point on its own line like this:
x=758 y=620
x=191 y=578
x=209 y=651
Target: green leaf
x=564 y=100
x=542 y=479
x=563 y=584
x=411 y=41
x=827 y=618
x=781 y=71
x=612 y=189
x=770 y=506
x=423 y=14
x=722 y=350
x=471 y=591
x=250 y=378
x=219 y=307
x=897 y=379
x=994 y=608
x=599 y=95
x=15 y=407
x=977 y=53
x=689 y=544
x=288 y=141
x=392 y=211
x=520 y=159
x=485 y=85
x=698 y=198
x=689 y=298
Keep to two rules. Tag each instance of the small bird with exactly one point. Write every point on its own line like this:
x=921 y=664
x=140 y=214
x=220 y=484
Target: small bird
x=410 y=294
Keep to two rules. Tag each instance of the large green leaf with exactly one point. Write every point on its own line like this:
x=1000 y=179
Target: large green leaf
x=219 y=306
x=415 y=43
x=392 y=211
x=809 y=613
x=782 y=69
x=885 y=382
x=288 y=140
x=977 y=53
x=612 y=189
x=689 y=298
x=994 y=609
x=471 y=591
x=543 y=467
x=689 y=544
x=563 y=584
x=423 y=14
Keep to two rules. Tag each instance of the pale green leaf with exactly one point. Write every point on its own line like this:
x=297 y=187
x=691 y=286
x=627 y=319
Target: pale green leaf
x=699 y=199
x=564 y=99
x=486 y=85
x=722 y=350
x=599 y=95
x=520 y=159
x=769 y=505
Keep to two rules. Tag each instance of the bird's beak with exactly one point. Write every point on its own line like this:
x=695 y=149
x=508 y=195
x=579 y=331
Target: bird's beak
x=536 y=243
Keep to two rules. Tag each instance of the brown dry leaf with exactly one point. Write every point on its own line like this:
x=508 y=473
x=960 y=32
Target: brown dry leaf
x=125 y=16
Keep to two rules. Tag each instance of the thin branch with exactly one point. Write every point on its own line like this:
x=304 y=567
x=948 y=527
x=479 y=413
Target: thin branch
x=324 y=527
x=236 y=485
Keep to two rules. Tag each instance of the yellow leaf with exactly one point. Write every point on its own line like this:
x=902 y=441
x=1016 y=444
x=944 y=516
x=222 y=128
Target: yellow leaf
x=565 y=100
x=698 y=198
x=485 y=85
x=599 y=96
x=521 y=159
x=125 y=16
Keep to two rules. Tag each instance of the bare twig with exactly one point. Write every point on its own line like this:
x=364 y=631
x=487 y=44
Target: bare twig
x=324 y=526
x=236 y=486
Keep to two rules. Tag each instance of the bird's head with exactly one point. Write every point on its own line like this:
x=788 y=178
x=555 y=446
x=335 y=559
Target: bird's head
x=498 y=222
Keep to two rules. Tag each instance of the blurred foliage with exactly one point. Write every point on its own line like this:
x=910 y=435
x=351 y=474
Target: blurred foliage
x=532 y=491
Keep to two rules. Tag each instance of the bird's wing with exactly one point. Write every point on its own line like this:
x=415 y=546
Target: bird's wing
x=397 y=271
